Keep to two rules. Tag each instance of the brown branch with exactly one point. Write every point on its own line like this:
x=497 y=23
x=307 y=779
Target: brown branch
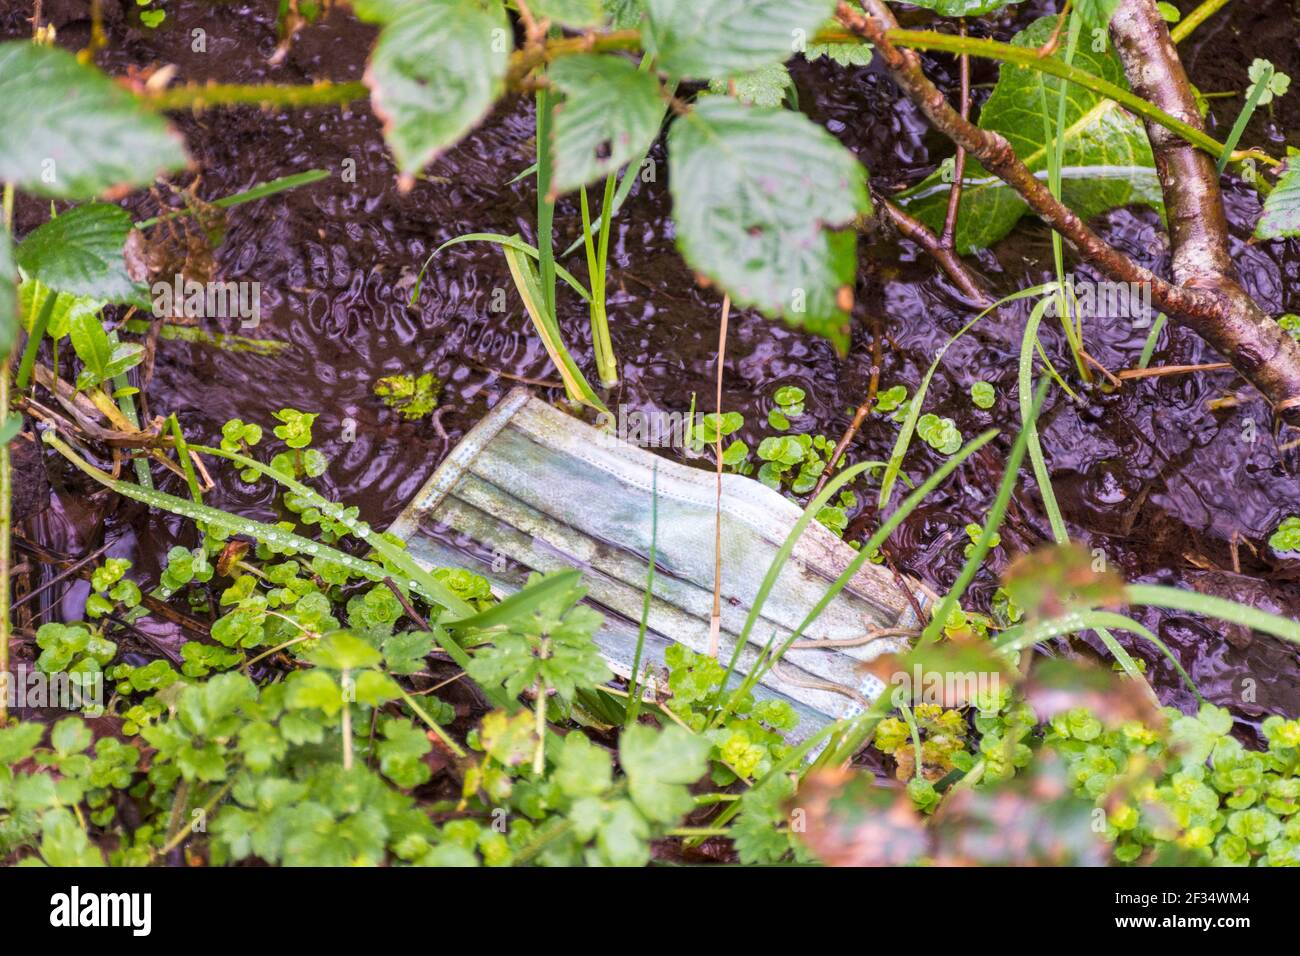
x=1214 y=307
x=1198 y=227
x=1129 y=374
x=873 y=385
x=945 y=256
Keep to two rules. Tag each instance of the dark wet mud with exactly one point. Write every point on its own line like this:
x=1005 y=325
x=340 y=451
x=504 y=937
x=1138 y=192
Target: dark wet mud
x=1172 y=490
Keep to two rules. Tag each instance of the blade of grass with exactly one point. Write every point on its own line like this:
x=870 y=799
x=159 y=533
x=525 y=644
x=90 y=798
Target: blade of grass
x=1176 y=599
x=1024 y=636
x=778 y=563
x=416 y=577
x=1243 y=118
x=904 y=440
x=634 y=680
x=545 y=202
x=512 y=242
x=575 y=383
x=872 y=544
x=991 y=524
x=1044 y=478
x=34 y=337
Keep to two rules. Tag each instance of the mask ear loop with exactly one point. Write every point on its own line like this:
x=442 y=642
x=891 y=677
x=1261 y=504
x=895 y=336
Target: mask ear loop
x=785 y=676
x=876 y=634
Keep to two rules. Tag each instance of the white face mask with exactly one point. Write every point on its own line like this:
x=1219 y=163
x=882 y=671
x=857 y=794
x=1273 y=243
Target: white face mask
x=533 y=489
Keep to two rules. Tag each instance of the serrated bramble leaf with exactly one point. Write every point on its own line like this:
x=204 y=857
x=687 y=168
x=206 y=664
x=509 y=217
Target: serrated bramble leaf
x=434 y=73
x=1106 y=158
x=709 y=39
x=72 y=133
x=1281 y=217
x=964 y=8
x=758 y=195
x=571 y=13
x=623 y=14
x=610 y=115
x=765 y=86
x=82 y=252
x=1097 y=14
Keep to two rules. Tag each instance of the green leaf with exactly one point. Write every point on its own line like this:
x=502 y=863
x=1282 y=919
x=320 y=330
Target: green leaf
x=756 y=194
x=401 y=753
x=82 y=252
x=261 y=746
x=31 y=297
x=17 y=743
x=765 y=86
x=405 y=653
x=583 y=769
x=434 y=73
x=1281 y=218
x=70 y=132
x=307 y=689
x=1106 y=157
x=711 y=39
x=1097 y=14
x=983 y=395
x=571 y=13
x=610 y=115
x=8 y=300
x=964 y=8
x=343 y=651
x=660 y=766
x=623 y=14
x=103 y=359
x=70 y=736
x=64 y=842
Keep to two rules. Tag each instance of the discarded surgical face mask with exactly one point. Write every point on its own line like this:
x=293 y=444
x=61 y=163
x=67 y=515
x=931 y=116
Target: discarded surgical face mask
x=533 y=489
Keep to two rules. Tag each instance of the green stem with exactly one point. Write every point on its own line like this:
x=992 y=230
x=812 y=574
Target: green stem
x=345 y=677
x=1243 y=118
x=545 y=203
x=539 y=725
x=183 y=453
x=1194 y=19
x=196 y=96
x=910 y=719
x=6 y=492
x=34 y=340
x=126 y=405
x=208 y=807
x=430 y=723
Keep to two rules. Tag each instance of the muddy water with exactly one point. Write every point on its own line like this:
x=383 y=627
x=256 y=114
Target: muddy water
x=1149 y=474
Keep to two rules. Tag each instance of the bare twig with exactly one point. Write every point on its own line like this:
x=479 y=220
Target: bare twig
x=1130 y=374
x=948 y=238
x=946 y=257
x=859 y=416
